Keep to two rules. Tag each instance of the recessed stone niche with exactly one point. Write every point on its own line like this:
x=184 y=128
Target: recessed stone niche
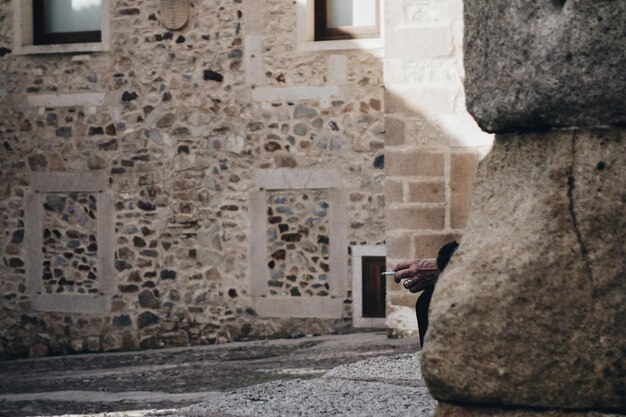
x=298 y=243
x=69 y=248
x=68 y=235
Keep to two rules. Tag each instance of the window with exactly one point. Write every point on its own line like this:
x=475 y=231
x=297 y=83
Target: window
x=66 y=21
x=346 y=19
x=60 y=26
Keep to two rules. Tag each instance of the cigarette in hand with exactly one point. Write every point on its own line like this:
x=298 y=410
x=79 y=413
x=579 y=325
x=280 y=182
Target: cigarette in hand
x=407 y=283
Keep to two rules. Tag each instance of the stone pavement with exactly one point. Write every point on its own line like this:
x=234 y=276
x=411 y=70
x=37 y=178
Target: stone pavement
x=223 y=379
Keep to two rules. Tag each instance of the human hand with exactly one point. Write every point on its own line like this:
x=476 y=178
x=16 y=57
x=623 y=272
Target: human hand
x=421 y=273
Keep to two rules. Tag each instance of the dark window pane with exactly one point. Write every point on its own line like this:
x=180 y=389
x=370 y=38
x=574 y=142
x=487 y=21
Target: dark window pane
x=66 y=21
x=71 y=15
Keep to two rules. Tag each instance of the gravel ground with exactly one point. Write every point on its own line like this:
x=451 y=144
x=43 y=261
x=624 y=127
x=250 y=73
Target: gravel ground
x=383 y=386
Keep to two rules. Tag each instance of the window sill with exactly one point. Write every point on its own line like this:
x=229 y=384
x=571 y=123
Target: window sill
x=62 y=48
x=365 y=44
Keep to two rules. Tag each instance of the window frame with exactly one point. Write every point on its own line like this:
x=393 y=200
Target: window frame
x=40 y=37
x=325 y=33
x=24 y=33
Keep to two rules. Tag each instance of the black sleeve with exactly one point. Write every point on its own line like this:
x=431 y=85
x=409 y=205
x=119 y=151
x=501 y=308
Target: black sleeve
x=445 y=253
x=423 y=301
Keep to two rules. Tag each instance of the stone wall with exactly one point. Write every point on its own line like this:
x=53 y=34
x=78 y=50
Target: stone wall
x=178 y=124
x=432 y=145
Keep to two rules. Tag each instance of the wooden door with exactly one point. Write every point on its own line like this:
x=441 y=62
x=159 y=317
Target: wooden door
x=373 y=287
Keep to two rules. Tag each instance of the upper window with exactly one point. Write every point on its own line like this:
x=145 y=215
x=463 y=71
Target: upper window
x=346 y=19
x=66 y=21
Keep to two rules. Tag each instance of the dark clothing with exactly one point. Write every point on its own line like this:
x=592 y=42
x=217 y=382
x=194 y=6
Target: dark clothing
x=423 y=301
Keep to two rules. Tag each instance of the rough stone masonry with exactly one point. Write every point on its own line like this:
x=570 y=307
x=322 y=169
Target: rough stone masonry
x=175 y=125
x=530 y=313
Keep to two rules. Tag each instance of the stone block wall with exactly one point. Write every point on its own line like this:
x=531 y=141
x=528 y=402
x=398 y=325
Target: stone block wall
x=179 y=124
x=432 y=145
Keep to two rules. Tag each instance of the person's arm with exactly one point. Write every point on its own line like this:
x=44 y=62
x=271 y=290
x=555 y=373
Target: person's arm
x=422 y=273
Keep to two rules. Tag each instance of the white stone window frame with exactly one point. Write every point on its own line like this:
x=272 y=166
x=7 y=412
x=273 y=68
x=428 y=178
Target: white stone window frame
x=23 y=33
x=306 y=32
x=266 y=305
x=358 y=253
x=65 y=182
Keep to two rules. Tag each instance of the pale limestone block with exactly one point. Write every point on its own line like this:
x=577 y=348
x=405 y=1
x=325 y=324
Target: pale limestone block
x=431 y=41
x=415 y=218
x=426 y=192
x=414 y=163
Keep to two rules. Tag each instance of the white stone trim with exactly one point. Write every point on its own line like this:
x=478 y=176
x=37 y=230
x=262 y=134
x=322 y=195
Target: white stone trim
x=299 y=179
x=253 y=42
x=66 y=303
x=303 y=307
x=23 y=33
x=65 y=100
x=253 y=59
x=257 y=253
x=325 y=92
x=358 y=252
x=64 y=183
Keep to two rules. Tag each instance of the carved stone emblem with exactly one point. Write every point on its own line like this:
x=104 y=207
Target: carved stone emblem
x=174 y=13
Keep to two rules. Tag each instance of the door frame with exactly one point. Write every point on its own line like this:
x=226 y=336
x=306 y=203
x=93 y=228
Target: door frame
x=358 y=253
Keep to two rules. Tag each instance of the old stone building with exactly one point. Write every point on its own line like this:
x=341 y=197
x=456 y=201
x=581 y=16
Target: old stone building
x=226 y=180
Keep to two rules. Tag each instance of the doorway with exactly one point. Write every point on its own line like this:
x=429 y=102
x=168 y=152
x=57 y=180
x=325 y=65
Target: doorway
x=369 y=302
x=373 y=286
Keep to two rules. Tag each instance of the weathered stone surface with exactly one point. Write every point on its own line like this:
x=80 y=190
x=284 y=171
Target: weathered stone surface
x=448 y=410
x=534 y=64
x=540 y=276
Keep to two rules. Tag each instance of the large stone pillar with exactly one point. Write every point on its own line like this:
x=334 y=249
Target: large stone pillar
x=529 y=317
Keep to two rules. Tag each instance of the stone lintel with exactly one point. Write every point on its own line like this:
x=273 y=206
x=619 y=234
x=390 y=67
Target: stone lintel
x=296 y=93
x=300 y=307
x=65 y=100
x=68 y=182
x=289 y=179
x=70 y=303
